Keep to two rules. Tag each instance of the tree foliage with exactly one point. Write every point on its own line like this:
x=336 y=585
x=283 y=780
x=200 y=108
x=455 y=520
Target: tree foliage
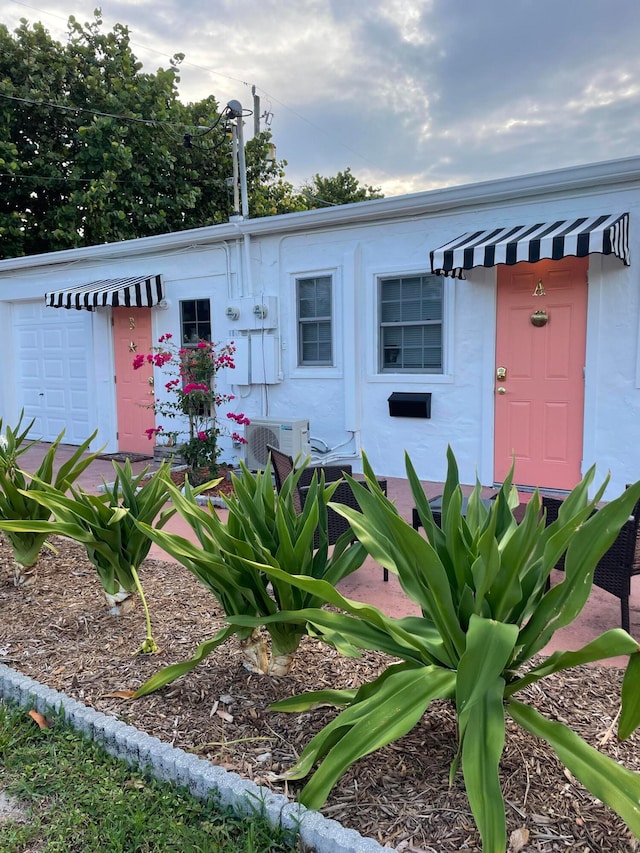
x=344 y=188
x=91 y=147
x=268 y=190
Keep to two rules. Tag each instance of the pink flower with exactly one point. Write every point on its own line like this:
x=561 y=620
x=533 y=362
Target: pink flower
x=203 y=345
x=152 y=432
x=239 y=418
x=202 y=436
x=138 y=361
x=194 y=386
x=161 y=358
x=240 y=439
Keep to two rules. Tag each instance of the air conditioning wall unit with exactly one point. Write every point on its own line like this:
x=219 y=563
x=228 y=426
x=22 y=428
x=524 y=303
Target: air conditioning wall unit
x=289 y=436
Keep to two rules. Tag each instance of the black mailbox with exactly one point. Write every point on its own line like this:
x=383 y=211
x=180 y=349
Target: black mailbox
x=405 y=404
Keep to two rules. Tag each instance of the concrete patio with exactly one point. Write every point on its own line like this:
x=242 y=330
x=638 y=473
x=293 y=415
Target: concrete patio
x=601 y=613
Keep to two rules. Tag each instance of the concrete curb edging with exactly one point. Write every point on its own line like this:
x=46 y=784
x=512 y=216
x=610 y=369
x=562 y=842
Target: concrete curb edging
x=172 y=764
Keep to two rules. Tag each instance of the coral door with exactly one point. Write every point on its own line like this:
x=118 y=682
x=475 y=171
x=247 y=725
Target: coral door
x=134 y=388
x=539 y=373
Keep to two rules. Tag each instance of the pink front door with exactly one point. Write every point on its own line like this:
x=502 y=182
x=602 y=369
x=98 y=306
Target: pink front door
x=134 y=392
x=539 y=375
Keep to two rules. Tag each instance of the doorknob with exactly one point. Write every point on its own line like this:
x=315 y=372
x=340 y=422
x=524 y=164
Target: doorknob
x=502 y=390
x=501 y=374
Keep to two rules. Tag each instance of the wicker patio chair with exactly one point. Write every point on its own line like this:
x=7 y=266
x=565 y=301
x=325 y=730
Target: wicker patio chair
x=616 y=568
x=283 y=465
x=337 y=524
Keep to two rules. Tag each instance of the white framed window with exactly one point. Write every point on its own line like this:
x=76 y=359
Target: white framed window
x=410 y=314
x=314 y=301
x=195 y=321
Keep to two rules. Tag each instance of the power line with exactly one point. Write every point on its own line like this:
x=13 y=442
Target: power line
x=317 y=198
x=185 y=139
x=73 y=109
x=71 y=178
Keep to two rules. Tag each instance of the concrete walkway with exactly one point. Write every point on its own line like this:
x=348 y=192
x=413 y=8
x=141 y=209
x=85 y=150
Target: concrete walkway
x=601 y=613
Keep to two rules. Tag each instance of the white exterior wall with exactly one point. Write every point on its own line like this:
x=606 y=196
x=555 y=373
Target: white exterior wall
x=347 y=404
x=353 y=396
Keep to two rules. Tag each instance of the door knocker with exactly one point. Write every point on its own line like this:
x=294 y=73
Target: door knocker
x=539 y=318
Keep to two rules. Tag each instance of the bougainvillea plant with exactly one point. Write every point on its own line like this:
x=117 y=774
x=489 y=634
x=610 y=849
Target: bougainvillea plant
x=194 y=398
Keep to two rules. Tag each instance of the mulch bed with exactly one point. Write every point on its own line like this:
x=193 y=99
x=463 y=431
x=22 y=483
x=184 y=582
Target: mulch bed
x=60 y=633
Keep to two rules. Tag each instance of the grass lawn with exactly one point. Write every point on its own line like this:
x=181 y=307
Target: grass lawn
x=61 y=792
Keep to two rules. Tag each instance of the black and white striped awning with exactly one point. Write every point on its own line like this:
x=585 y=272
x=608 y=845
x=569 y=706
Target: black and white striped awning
x=138 y=291
x=608 y=235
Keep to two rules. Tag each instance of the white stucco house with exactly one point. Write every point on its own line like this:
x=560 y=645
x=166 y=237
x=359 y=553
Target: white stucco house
x=501 y=318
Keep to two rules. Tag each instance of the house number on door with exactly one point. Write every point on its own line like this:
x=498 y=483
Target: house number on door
x=132 y=346
x=132 y=322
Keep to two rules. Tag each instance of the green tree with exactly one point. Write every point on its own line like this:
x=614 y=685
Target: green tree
x=268 y=190
x=92 y=150
x=344 y=188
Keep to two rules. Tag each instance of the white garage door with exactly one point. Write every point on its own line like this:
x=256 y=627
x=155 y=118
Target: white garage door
x=53 y=352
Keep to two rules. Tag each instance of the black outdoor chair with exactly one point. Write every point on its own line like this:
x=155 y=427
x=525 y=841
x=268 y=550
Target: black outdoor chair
x=436 y=509
x=616 y=568
x=337 y=524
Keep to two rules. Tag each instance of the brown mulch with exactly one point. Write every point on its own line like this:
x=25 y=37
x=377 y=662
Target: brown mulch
x=60 y=633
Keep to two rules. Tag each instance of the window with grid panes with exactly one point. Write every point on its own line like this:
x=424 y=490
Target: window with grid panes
x=410 y=312
x=313 y=297
x=195 y=325
x=195 y=321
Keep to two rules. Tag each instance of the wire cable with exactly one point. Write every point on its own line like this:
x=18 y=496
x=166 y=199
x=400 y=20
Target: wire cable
x=74 y=109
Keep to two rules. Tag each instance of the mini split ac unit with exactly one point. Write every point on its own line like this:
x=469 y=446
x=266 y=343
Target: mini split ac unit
x=289 y=436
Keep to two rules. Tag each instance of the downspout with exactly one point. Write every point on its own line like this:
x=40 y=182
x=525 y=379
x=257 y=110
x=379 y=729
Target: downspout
x=235 y=109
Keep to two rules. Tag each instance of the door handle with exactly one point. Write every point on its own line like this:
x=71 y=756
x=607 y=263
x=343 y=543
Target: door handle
x=502 y=390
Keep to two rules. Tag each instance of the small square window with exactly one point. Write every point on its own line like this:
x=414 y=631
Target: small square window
x=195 y=321
x=315 y=327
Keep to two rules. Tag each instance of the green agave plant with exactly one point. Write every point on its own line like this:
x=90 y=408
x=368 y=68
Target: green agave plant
x=262 y=528
x=107 y=526
x=18 y=489
x=481 y=583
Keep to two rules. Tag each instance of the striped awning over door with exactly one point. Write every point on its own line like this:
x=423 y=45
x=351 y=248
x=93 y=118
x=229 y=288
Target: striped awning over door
x=607 y=234
x=138 y=291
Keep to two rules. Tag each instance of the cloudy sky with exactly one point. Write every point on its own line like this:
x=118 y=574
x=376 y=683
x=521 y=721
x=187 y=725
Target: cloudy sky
x=411 y=94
